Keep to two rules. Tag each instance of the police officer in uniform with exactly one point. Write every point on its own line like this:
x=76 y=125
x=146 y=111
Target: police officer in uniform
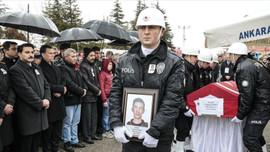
x=204 y=61
x=149 y=64
x=253 y=82
x=184 y=120
x=213 y=69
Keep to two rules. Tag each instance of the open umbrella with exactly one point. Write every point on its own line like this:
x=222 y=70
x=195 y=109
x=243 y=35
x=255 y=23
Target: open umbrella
x=108 y=30
x=134 y=34
x=19 y=42
x=123 y=43
x=33 y=23
x=134 y=40
x=77 y=35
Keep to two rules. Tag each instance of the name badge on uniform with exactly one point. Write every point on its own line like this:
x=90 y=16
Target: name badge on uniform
x=226 y=70
x=4 y=71
x=37 y=73
x=152 y=68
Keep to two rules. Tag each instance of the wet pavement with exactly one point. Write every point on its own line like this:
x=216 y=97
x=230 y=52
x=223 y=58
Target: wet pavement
x=111 y=145
x=104 y=145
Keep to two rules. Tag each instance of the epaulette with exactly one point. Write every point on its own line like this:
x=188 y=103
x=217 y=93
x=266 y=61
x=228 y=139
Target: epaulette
x=2 y=62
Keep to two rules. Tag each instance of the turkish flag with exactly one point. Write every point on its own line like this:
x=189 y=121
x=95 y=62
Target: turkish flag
x=226 y=90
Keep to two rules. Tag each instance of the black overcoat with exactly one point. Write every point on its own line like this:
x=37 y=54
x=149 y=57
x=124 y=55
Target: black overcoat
x=6 y=97
x=31 y=88
x=52 y=74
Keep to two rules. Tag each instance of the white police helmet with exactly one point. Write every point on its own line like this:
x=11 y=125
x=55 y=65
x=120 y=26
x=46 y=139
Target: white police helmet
x=191 y=51
x=151 y=16
x=238 y=48
x=205 y=56
x=214 y=58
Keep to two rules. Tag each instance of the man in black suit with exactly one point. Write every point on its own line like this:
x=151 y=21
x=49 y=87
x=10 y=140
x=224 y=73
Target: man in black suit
x=33 y=97
x=57 y=111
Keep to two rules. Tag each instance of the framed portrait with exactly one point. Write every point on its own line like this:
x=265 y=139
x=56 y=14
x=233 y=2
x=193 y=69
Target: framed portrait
x=139 y=109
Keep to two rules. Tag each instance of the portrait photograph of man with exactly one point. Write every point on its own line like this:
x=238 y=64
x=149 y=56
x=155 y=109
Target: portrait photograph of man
x=138 y=109
x=138 y=113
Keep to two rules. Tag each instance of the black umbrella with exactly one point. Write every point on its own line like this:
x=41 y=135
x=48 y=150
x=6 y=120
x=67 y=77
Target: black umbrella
x=124 y=43
x=108 y=30
x=134 y=34
x=134 y=40
x=33 y=23
x=77 y=35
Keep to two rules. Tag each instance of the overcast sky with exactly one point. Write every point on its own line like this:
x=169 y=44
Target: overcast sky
x=197 y=15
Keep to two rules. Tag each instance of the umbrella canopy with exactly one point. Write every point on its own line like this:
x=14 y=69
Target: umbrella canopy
x=124 y=43
x=108 y=30
x=76 y=35
x=134 y=34
x=33 y=23
x=134 y=40
x=19 y=42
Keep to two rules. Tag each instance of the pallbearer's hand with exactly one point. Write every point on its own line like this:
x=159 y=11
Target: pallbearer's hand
x=148 y=141
x=119 y=133
x=235 y=119
x=189 y=113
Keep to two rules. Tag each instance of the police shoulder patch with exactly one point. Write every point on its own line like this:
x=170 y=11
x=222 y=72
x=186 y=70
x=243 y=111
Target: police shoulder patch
x=244 y=83
x=160 y=67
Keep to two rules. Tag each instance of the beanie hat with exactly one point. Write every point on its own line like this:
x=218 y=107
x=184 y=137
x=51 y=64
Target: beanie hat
x=86 y=51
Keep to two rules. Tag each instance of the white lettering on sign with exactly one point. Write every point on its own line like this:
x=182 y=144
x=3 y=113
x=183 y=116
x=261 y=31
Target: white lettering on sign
x=254 y=33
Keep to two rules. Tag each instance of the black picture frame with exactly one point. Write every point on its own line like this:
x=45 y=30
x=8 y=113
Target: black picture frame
x=149 y=98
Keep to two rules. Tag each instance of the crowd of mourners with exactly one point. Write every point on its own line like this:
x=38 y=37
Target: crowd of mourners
x=58 y=95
